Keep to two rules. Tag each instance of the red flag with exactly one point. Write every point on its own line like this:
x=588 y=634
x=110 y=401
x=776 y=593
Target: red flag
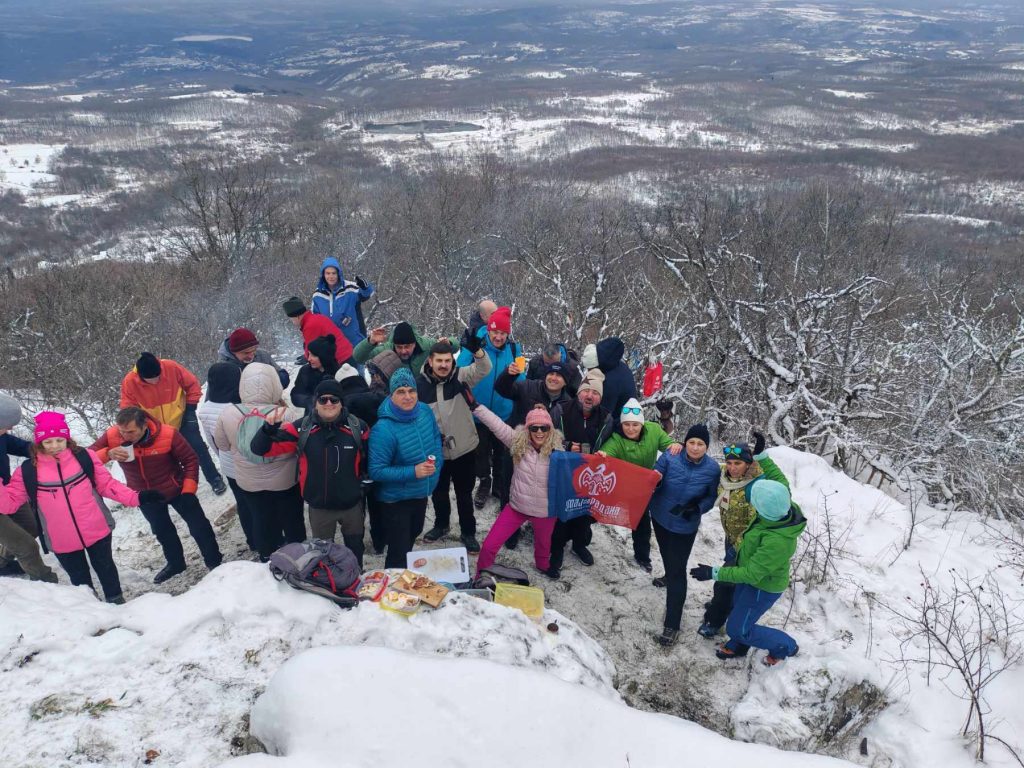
x=652 y=379
x=619 y=491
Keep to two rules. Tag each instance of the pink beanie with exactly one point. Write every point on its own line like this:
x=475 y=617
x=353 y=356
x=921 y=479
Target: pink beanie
x=51 y=424
x=538 y=416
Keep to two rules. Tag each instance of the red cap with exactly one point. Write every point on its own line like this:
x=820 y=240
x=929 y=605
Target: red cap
x=501 y=320
x=241 y=338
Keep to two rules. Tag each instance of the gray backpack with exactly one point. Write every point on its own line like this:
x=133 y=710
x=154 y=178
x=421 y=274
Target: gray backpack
x=321 y=567
x=251 y=423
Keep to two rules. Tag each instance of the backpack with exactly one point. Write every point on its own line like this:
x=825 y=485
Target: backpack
x=251 y=423
x=321 y=567
x=489 y=578
x=31 y=481
x=355 y=424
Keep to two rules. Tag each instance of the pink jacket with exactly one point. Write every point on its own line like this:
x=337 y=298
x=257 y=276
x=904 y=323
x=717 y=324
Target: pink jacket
x=72 y=514
x=529 y=492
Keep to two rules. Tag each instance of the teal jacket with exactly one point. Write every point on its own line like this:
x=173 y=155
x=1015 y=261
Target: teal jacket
x=483 y=391
x=396 y=447
x=762 y=560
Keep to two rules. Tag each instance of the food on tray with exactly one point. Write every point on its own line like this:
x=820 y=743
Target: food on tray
x=426 y=589
x=400 y=602
x=372 y=585
x=419 y=563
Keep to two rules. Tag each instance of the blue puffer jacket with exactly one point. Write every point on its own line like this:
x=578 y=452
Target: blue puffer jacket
x=684 y=482
x=619 y=384
x=10 y=446
x=396 y=447
x=341 y=304
x=500 y=360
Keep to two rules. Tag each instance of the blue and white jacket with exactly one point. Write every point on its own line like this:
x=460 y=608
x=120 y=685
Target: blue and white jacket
x=342 y=305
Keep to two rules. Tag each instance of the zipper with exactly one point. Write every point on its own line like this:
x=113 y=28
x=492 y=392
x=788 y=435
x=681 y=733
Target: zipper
x=67 y=499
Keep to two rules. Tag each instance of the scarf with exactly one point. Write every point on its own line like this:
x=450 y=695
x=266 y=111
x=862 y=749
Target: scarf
x=405 y=417
x=729 y=485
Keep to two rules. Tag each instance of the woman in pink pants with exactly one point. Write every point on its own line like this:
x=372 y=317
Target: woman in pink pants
x=531 y=446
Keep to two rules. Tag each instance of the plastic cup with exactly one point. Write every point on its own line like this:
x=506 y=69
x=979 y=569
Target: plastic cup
x=521 y=363
x=131 y=451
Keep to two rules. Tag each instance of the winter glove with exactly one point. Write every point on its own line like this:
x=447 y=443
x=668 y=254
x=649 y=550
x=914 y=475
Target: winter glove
x=361 y=283
x=702 y=572
x=691 y=510
x=282 y=374
x=758 y=442
x=150 y=497
x=472 y=344
x=270 y=427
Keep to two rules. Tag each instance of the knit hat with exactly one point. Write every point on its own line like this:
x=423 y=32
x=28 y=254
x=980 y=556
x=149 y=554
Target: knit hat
x=222 y=383
x=557 y=368
x=593 y=380
x=771 y=499
x=346 y=372
x=700 y=432
x=51 y=424
x=387 y=362
x=10 y=411
x=327 y=387
x=241 y=338
x=294 y=307
x=627 y=416
x=500 y=320
x=538 y=416
x=739 y=451
x=401 y=378
x=147 y=366
x=589 y=358
x=403 y=334
x=325 y=348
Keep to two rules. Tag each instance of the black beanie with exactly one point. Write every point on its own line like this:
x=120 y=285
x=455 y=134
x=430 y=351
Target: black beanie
x=147 y=366
x=328 y=387
x=325 y=348
x=294 y=307
x=700 y=432
x=222 y=383
x=403 y=334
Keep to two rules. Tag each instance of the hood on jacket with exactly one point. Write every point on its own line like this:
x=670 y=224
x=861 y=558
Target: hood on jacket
x=791 y=526
x=260 y=385
x=330 y=261
x=609 y=353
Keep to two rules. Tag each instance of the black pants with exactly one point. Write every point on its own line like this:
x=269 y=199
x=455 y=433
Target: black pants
x=460 y=472
x=404 y=520
x=277 y=517
x=579 y=531
x=490 y=460
x=675 y=552
x=244 y=513
x=100 y=555
x=188 y=508
x=378 y=526
x=642 y=538
x=718 y=610
x=190 y=431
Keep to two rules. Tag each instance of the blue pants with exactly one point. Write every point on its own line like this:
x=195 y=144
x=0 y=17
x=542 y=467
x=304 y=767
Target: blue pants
x=748 y=605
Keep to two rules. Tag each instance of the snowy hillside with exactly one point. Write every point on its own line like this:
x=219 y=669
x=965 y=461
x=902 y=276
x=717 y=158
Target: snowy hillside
x=92 y=684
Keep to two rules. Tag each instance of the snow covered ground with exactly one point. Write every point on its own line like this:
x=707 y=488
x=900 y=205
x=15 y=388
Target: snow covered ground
x=179 y=667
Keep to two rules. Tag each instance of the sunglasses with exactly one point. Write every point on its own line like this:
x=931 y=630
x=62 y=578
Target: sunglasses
x=732 y=450
x=328 y=400
x=539 y=428
x=637 y=411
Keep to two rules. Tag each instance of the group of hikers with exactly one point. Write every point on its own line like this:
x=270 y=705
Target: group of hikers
x=383 y=422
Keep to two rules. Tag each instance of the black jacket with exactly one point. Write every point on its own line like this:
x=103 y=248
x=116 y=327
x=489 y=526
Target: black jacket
x=305 y=386
x=594 y=429
x=525 y=394
x=571 y=361
x=619 y=384
x=362 y=400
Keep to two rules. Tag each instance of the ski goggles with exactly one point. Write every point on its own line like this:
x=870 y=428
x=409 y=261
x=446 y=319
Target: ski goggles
x=328 y=400
x=540 y=428
x=732 y=450
x=637 y=411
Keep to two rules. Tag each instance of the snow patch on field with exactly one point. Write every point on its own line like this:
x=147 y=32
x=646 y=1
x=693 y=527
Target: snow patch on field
x=841 y=94
x=948 y=218
x=211 y=38
x=24 y=166
x=448 y=72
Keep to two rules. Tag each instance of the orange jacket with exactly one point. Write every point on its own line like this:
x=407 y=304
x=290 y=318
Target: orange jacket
x=164 y=461
x=165 y=401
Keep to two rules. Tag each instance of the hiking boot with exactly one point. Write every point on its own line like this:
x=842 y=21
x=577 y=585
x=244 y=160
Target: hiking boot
x=116 y=600
x=168 y=572
x=668 y=637
x=435 y=533
x=552 y=572
x=583 y=554
x=724 y=652
x=219 y=486
x=659 y=581
x=470 y=543
x=645 y=564
x=771 y=661
x=513 y=541
x=483 y=491
x=708 y=631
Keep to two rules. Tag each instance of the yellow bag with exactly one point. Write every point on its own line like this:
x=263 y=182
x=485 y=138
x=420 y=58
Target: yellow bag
x=529 y=600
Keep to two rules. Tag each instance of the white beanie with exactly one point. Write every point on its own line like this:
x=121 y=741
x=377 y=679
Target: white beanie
x=345 y=372
x=636 y=418
x=10 y=411
x=589 y=358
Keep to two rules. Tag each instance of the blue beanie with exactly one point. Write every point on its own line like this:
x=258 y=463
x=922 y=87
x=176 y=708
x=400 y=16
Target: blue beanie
x=401 y=378
x=771 y=499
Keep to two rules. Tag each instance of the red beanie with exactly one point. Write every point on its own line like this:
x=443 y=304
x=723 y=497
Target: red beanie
x=241 y=338
x=501 y=320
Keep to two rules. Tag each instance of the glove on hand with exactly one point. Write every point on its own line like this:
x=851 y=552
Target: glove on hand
x=473 y=344
x=702 y=572
x=360 y=282
x=758 y=442
x=150 y=497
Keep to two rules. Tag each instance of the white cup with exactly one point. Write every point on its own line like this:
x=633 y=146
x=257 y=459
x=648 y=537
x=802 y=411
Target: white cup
x=131 y=451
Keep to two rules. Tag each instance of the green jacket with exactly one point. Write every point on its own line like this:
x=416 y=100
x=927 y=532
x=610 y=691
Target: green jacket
x=642 y=452
x=765 y=551
x=365 y=351
x=737 y=512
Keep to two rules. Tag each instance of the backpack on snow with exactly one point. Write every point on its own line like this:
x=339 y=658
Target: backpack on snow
x=321 y=567
x=31 y=481
x=489 y=578
x=251 y=423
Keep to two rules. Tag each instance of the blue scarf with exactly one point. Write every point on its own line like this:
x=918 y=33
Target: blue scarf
x=406 y=417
